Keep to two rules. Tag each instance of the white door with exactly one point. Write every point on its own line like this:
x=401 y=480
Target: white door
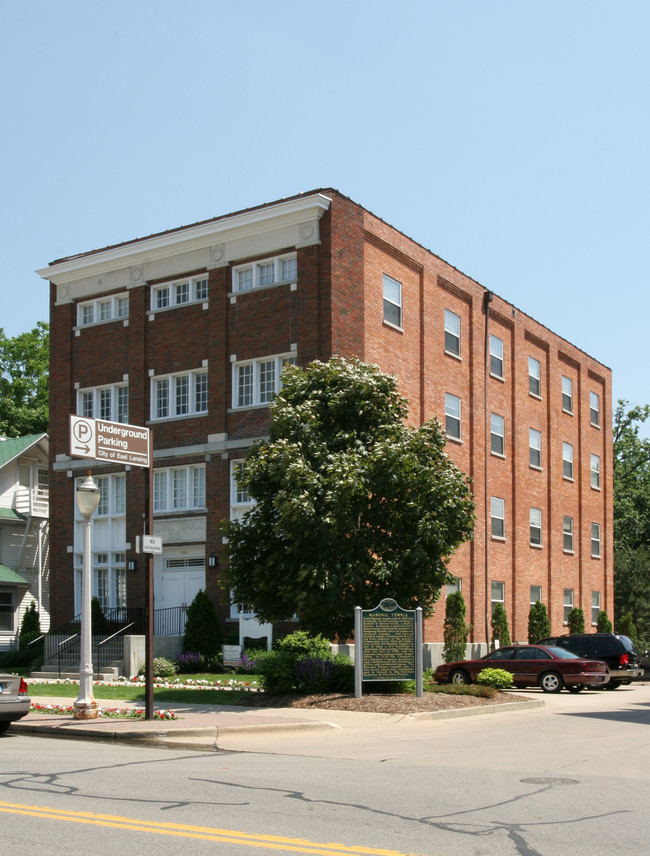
x=177 y=580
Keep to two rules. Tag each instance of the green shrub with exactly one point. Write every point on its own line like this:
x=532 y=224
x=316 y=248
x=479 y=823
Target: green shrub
x=603 y=625
x=325 y=674
x=203 y=630
x=301 y=662
x=30 y=627
x=456 y=632
x=162 y=668
x=277 y=671
x=626 y=627
x=500 y=679
x=303 y=644
x=97 y=618
x=539 y=626
x=576 y=620
x=499 y=623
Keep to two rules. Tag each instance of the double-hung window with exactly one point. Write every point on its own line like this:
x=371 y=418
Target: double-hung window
x=595 y=606
x=255 y=382
x=567 y=532
x=536 y=527
x=595 y=540
x=534 y=377
x=497 y=434
x=169 y=294
x=568 y=603
x=392 y=301
x=102 y=310
x=595 y=472
x=535 y=595
x=567 y=461
x=567 y=394
x=182 y=394
x=498 y=517
x=497 y=594
x=535 y=448
x=452 y=416
x=110 y=403
x=452 y=333
x=496 y=357
x=594 y=409
x=277 y=270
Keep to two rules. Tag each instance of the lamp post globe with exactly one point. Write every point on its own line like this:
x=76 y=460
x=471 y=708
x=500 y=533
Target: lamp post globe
x=85 y=707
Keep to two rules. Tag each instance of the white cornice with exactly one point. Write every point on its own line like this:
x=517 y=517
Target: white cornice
x=189 y=238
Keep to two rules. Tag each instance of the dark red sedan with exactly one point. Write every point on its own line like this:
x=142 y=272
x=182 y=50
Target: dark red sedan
x=530 y=665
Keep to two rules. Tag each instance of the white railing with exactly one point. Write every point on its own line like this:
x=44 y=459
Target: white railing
x=32 y=502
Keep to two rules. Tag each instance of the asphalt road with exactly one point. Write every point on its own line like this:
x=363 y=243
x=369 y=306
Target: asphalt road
x=569 y=778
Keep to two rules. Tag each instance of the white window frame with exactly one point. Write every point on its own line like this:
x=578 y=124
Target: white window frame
x=177 y=406
x=457 y=585
x=179 y=489
x=594 y=409
x=567 y=461
x=595 y=606
x=567 y=395
x=498 y=518
x=452 y=333
x=567 y=534
x=8 y=609
x=260 y=396
x=595 y=471
x=497 y=594
x=535 y=448
x=534 y=377
x=567 y=603
x=108 y=571
x=595 y=540
x=535 y=527
x=93 y=402
x=265 y=273
x=453 y=416
x=497 y=435
x=114 y=307
x=171 y=295
x=392 y=294
x=496 y=357
x=535 y=598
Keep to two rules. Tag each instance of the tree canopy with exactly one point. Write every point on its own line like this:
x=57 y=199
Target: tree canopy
x=24 y=382
x=351 y=504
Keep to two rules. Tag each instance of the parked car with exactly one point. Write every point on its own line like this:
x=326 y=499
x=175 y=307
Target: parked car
x=531 y=665
x=14 y=702
x=617 y=651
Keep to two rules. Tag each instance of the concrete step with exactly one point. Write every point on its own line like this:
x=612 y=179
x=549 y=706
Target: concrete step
x=49 y=672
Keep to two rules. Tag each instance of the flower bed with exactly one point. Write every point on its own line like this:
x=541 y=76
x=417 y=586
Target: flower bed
x=110 y=712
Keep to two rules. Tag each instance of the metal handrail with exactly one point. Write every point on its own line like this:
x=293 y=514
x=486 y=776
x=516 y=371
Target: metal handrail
x=60 y=648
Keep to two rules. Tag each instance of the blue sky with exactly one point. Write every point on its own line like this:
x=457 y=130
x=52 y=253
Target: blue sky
x=510 y=138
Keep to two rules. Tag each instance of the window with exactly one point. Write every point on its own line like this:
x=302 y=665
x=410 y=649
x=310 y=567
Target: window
x=238 y=495
x=179 y=488
x=567 y=394
x=102 y=310
x=170 y=294
x=595 y=606
x=392 y=301
x=452 y=416
x=535 y=448
x=257 y=381
x=536 y=527
x=567 y=461
x=183 y=394
x=496 y=356
x=497 y=432
x=594 y=409
x=6 y=611
x=108 y=579
x=110 y=403
x=452 y=333
x=498 y=517
x=265 y=273
x=497 y=594
x=567 y=529
x=112 y=495
x=595 y=540
x=535 y=595
x=450 y=588
x=568 y=603
x=595 y=472
x=534 y=377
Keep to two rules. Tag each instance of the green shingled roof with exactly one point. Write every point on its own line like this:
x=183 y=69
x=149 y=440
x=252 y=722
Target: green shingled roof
x=10 y=514
x=9 y=576
x=12 y=447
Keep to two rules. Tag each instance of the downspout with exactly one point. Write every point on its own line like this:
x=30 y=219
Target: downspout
x=487 y=299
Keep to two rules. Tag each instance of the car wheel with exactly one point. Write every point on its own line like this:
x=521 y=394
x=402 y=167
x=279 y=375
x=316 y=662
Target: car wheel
x=459 y=676
x=551 y=682
x=575 y=688
x=4 y=726
x=613 y=685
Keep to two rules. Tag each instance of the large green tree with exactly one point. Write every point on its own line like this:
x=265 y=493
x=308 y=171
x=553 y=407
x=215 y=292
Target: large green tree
x=351 y=504
x=24 y=382
x=632 y=516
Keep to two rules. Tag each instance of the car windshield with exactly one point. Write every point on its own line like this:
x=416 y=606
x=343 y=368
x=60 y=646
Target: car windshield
x=562 y=653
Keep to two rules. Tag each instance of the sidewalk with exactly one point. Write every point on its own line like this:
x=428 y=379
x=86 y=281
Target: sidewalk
x=201 y=726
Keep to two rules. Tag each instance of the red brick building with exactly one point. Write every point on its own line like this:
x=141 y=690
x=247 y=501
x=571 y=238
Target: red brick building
x=186 y=332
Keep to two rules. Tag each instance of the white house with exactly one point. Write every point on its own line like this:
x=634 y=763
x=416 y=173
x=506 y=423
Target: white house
x=24 y=533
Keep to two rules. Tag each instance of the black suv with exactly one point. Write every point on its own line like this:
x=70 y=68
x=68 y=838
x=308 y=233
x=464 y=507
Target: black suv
x=617 y=651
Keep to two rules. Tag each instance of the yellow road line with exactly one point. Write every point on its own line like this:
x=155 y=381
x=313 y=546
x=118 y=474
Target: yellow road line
x=231 y=836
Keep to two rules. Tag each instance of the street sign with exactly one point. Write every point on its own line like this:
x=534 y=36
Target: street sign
x=109 y=441
x=148 y=544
